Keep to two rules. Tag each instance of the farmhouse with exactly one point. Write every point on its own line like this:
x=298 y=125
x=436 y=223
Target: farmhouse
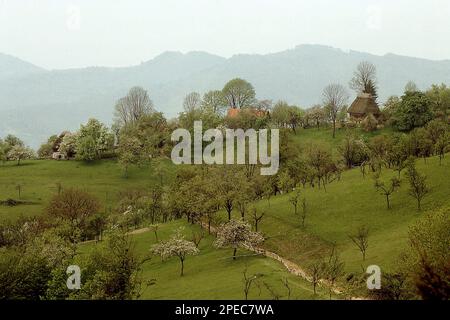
x=364 y=105
x=233 y=112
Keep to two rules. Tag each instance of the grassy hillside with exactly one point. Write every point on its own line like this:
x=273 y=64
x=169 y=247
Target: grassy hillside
x=212 y=274
x=332 y=215
x=324 y=136
x=39 y=182
x=345 y=205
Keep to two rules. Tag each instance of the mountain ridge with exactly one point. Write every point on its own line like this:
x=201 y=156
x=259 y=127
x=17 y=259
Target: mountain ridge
x=36 y=102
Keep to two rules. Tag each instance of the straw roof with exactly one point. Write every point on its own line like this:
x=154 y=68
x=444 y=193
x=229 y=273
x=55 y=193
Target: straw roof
x=363 y=105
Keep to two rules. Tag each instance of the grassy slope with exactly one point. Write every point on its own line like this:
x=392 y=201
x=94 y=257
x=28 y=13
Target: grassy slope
x=39 y=182
x=345 y=205
x=332 y=216
x=324 y=136
x=212 y=274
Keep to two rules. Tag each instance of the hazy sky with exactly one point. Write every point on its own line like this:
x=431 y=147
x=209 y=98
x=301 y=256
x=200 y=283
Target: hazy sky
x=63 y=34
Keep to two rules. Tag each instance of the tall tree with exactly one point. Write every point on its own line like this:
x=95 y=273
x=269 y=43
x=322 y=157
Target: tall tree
x=93 y=140
x=335 y=98
x=133 y=106
x=364 y=78
x=239 y=93
x=213 y=100
x=413 y=111
x=192 y=101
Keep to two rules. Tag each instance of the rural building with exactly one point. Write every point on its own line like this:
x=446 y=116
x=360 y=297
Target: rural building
x=364 y=105
x=233 y=112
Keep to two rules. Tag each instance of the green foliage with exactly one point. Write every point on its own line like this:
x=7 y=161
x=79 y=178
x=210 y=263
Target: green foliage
x=390 y=107
x=93 y=141
x=239 y=93
x=12 y=141
x=112 y=271
x=76 y=207
x=46 y=149
x=353 y=150
x=417 y=183
x=426 y=262
x=369 y=123
x=214 y=101
x=19 y=153
x=314 y=116
x=27 y=270
x=440 y=100
x=68 y=145
x=413 y=111
x=142 y=140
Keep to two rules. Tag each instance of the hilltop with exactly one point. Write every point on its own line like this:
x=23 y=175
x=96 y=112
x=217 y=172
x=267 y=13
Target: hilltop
x=36 y=103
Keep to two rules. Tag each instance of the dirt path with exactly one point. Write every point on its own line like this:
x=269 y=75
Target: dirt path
x=290 y=266
x=138 y=231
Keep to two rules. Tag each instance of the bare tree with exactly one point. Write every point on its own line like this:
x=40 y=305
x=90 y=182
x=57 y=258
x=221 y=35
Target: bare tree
x=417 y=183
x=334 y=269
x=197 y=237
x=154 y=228
x=303 y=212
x=19 y=189
x=335 y=98
x=387 y=190
x=264 y=105
x=360 y=239
x=317 y=271
x=287 y=286
x=257 y=218
x=192 y=101
x=275 y=295
x=132 y=107
x=248 y=281
x=294 y=199
x=364 y=78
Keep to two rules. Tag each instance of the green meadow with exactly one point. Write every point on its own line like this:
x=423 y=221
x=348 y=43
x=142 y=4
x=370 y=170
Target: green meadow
x=332 y=215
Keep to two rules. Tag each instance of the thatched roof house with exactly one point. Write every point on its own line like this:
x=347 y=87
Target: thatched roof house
x=364 y=105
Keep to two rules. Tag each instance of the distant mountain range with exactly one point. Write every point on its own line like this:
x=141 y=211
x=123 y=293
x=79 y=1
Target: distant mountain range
x=35 y=103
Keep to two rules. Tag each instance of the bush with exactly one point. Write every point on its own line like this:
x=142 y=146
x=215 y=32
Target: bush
x=413 y=111
x=75 y=207
x=369 y=123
